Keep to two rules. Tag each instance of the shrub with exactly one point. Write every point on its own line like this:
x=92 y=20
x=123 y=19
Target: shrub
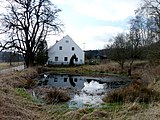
x=29 y=83
x=56 y=96
x=133 y=93
x=39 y=69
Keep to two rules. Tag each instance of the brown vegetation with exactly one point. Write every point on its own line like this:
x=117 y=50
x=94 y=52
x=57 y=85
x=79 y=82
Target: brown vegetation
x=17 y=78
x=133 y=93
x=140 y=99
x=6 y=65
x=91 y=70
x=56 y=95
x=13 y=106
x=52 y=95
x=16 y=102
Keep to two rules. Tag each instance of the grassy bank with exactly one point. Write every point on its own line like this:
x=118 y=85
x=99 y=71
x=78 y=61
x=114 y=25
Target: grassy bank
x=110 y=68
x=17 y=101
x=87 y=70
x=12 y=105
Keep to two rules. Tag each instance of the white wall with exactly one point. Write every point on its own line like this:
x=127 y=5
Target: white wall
x=67 y=43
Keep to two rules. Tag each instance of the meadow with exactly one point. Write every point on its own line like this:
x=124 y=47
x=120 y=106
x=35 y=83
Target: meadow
x=138 y=101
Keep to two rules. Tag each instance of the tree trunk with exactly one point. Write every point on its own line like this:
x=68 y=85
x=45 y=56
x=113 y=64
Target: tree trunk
x=121 y=63
x=10 y=58
x=130 y=68
x=29 y=59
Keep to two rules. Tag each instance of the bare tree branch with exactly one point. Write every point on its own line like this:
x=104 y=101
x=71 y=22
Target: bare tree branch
x=27 y=23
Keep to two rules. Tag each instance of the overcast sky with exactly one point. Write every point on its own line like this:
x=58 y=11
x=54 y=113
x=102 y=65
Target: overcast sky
x=91 y=23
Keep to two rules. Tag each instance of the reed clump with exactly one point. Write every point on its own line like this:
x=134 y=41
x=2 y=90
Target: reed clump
x=133 y=93
x=56 y=95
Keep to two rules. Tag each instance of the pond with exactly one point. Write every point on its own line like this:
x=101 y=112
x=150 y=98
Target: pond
x=89 y=90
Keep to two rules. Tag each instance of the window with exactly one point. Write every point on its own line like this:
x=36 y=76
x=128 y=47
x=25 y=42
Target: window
x=55 y=79
x=65 y=79
x=56 y=58
x=65 y=58
x=72 y=48
x=67 y=41
x=75 y=79
x=60 y=47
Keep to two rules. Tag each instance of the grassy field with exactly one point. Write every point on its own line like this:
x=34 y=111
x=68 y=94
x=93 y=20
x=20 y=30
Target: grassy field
x=5 y=65
x=17 y=102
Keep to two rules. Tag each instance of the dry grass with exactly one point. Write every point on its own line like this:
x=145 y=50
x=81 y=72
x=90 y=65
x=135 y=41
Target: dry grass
x=151 y=74
x=56 y=95
x=18 y=79
x=91 y=70
x=52 y=95
x=84 y=114
x=16 y=107
x=133 y=93
x=5 y=65
x=108 y=68
x=13 y=106
x=141 y=100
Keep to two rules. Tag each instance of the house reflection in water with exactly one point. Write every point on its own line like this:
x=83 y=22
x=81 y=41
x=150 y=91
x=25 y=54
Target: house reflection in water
x=79 y=81
x=65 y=81
x=90 y=88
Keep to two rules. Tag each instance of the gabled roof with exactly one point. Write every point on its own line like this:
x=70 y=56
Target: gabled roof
x=64 y=38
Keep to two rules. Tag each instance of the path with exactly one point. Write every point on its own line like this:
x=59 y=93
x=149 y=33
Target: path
x=21 y=67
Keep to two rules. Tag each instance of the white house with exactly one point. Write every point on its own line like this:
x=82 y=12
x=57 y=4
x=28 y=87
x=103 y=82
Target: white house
x=62 y=51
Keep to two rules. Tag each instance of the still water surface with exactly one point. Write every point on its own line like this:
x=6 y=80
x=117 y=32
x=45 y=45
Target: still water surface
x=90 y=89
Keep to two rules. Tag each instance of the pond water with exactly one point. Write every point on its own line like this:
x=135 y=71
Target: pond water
x=89 y=90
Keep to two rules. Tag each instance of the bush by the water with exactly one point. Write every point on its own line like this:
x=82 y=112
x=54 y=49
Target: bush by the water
x=133 y=93
x=56 y=96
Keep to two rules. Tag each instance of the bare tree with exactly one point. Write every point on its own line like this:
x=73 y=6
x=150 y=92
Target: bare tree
x=118 y=50
x=150 y=9
x=27 y=23
x=135 y=40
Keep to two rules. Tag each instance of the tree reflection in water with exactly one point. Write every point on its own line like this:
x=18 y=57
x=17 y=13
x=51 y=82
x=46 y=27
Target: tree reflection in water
x=90 y=89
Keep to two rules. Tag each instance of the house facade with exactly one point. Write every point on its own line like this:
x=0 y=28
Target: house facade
x=63 y=51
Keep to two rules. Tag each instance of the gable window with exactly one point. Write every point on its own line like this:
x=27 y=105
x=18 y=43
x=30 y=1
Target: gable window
x=67 y=41
x=56 y=58
x=65 y=58
x=60 y=47
x=72 y=48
